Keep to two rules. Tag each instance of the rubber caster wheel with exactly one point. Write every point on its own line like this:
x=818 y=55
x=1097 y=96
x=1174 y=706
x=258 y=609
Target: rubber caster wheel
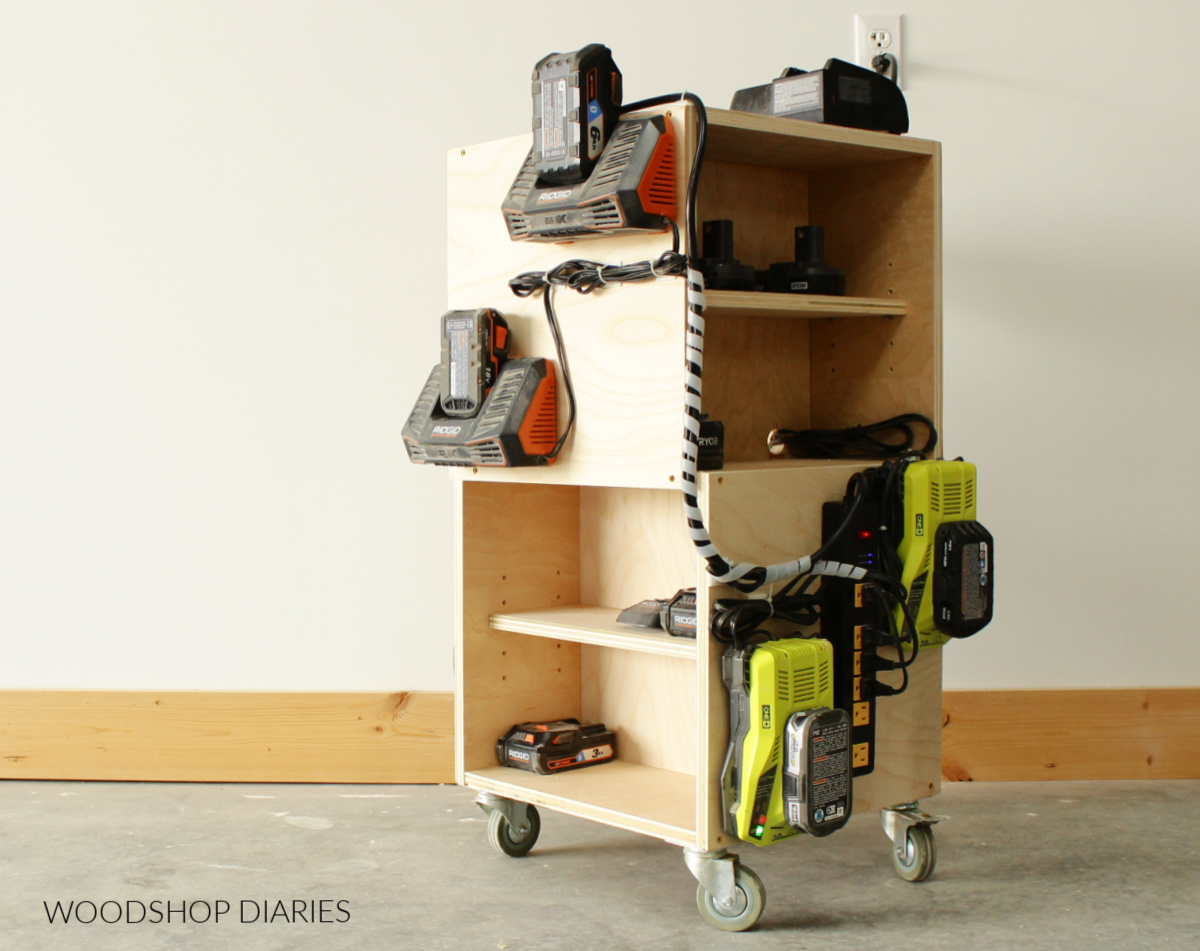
x=916 y=862
x=749 y=900
x=504 y=838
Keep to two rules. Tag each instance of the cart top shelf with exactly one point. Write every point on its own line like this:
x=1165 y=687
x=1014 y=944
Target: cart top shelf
x=748 y=139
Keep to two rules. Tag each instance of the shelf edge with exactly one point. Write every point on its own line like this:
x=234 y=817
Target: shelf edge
x=519 y=624
x=796 y=306
x=676 y=835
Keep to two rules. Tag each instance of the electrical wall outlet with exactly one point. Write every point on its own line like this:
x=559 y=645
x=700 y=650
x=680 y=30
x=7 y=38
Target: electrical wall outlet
x=879 y=34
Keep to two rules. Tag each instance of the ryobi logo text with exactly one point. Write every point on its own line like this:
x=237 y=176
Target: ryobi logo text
x=446 y=430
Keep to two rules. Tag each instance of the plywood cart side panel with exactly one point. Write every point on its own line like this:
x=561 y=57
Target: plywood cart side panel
x=883 y=227
x=633 y=544
x=519 y=550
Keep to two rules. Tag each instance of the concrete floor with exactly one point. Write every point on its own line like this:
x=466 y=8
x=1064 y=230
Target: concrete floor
x=1020 y=866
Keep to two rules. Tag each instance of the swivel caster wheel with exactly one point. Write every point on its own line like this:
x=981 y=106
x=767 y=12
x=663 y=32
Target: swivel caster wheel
x=514 y=841
x=915 y=858
x=749 y=900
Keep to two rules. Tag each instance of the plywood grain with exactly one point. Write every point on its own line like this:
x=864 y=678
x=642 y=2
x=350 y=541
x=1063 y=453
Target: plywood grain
x=883 y=227
x=650 y=702
x=518 y=548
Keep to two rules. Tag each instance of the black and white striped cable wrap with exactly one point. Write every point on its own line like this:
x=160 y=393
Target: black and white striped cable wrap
x=742 y=576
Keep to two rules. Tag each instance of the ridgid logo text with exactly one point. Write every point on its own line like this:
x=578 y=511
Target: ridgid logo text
x=247 y=911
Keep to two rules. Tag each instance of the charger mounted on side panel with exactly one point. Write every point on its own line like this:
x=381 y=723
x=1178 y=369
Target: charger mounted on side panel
x=590 y=172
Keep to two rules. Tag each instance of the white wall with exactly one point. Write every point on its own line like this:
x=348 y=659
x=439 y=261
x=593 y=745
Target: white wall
x=222 y=256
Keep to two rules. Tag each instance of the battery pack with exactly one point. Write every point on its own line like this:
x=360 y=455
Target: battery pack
x=474 y=348
x=556 y=746
x=963 y=578
x=818 y=778
x=576 y=102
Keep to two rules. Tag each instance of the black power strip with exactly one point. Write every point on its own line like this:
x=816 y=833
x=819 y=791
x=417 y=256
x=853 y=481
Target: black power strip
x=849 y=615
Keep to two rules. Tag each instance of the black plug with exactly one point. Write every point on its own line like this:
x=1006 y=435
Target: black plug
x=873 y=688
x=873 y=662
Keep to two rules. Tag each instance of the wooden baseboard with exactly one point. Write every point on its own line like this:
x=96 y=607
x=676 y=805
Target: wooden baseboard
x=996 y=735
x=1070 y=734
x=227 y=737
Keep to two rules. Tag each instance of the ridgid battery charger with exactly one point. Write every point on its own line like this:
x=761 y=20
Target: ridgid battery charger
x=589 y=172
x=480 y=408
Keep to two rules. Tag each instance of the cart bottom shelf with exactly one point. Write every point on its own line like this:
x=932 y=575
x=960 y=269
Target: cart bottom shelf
x=643 y=799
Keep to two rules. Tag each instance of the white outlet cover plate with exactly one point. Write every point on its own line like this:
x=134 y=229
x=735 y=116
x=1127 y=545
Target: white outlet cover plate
x=866 y=47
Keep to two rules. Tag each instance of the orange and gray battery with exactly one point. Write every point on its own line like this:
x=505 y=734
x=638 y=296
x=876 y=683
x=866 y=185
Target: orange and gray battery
x=474 y=348
x=556 y=746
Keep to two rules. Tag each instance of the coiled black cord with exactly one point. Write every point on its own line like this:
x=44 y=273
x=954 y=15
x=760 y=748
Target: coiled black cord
x=584 y=277
x=856 y=442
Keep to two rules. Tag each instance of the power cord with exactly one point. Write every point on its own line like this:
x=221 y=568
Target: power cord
x=859 y=442
x=585 y=277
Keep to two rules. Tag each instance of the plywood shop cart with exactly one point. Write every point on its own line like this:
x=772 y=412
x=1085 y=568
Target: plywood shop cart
x=546 y=557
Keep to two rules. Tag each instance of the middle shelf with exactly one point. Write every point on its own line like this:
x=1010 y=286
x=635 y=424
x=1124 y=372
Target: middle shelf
x=811 y=306
x=593 y=624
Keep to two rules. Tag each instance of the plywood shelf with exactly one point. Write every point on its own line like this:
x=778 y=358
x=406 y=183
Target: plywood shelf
x=782 y=462
x=810 y=146
x=804 y=306
x=643 y=799
x=590 y=624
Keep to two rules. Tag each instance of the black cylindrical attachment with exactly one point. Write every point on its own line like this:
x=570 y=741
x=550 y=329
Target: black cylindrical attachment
x=717 y=239
x=810 y=244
